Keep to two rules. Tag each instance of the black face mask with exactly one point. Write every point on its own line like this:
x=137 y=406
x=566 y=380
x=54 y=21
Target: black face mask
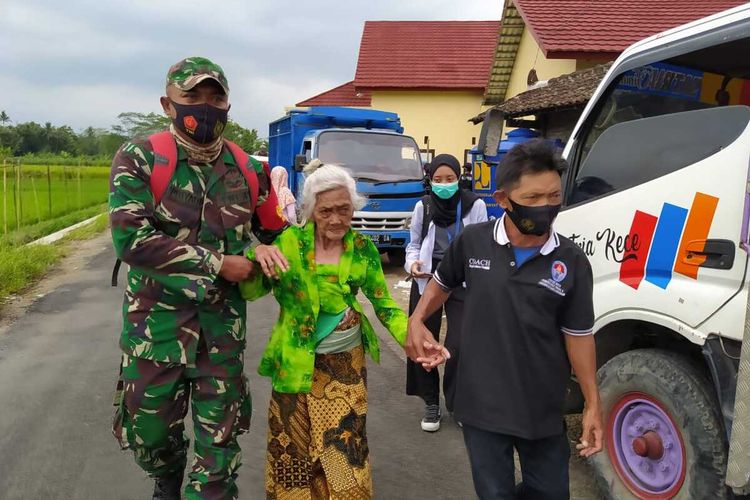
x=202 y=123
x=535 y=221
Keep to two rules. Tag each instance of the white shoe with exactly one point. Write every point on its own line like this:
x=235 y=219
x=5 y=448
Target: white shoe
x=432 y=417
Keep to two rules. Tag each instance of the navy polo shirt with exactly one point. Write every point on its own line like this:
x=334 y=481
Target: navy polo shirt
x=513 y=369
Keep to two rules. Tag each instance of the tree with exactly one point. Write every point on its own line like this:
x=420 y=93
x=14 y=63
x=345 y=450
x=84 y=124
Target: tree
x=32 y=138
x=10 y=139
x=88 y=141
x=59 y=140
x=110 y=142
x=99 y=142
x=4 y=118
x=247 y=139
x=48 y=131
x=134 y=124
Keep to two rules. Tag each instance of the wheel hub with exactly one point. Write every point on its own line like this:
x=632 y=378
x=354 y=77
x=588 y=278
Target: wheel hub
x=646 y=447
x=649 y=445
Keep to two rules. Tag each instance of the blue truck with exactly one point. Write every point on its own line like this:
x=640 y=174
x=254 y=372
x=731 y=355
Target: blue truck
x=368 y=143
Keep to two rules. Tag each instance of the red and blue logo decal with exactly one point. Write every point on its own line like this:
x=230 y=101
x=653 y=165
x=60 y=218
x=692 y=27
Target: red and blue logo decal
x=559 y=271
x=664 y=240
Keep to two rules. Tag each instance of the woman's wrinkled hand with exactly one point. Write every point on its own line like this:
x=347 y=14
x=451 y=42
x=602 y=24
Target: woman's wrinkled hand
x=271 y=260
x=421 y=346
x=440 y=355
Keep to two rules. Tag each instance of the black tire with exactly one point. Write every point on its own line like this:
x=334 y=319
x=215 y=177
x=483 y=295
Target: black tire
x=396 y=257
x=689 y=398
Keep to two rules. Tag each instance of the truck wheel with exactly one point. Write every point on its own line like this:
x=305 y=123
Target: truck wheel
x=662 y=431
x=397 y=257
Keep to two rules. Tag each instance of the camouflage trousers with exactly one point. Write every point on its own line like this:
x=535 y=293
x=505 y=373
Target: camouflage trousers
x=151 y=405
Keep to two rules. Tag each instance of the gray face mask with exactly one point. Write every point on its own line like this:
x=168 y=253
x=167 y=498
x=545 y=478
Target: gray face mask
x=536 y=221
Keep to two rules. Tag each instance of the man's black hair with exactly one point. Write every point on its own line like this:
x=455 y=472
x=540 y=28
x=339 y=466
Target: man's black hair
x=534 y=156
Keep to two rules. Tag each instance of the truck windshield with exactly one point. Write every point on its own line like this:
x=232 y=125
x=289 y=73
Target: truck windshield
x=654 y=104
x=372 y=156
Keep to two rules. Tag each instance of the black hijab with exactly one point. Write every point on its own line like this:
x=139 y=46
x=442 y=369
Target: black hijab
x=443 y=212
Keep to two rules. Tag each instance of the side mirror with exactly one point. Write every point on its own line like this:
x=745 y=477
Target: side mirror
x=492 y=131
x=299 y=162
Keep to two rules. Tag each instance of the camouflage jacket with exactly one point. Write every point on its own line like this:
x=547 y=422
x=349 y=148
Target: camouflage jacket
x=289 y=358
x=175 y=250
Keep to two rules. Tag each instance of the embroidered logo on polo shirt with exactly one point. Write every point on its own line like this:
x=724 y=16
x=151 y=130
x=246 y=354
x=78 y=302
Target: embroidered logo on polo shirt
x=483 y=264
x=552 y=286
x=559 y=271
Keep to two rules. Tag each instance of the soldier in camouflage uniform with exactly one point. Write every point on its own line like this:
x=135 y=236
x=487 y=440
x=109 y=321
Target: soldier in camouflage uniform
x=184 y=320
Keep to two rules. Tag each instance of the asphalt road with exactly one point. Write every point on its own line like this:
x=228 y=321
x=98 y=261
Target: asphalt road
x=58 y=365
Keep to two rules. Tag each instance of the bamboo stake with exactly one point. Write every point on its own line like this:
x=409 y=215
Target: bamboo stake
x=49 y=191
x=17 y=195
x=36 y=200
x=80 y=200
x=65 y=185
x=5 y=198
x=20 y=190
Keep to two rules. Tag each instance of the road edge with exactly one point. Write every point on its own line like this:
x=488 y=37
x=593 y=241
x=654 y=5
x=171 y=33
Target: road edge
x=58 y=235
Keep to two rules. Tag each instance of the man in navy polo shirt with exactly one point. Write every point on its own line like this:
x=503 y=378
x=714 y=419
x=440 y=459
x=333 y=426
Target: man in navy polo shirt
x=528 y=318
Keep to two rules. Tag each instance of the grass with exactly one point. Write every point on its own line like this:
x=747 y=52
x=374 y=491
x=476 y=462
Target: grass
x=37 y=200
x=89 y=230
x=33 y=232
x=21 y=265
x=72 y=161
x=46 y=193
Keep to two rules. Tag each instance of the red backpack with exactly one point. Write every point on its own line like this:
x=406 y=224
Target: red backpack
x=165 y=163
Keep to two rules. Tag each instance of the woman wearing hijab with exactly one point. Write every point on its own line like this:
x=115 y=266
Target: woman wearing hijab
x=437 y=219
x=287 y=203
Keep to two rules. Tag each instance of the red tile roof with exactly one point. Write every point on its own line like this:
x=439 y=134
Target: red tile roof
x=604 y=28
x=343 y=95
x=426 y=54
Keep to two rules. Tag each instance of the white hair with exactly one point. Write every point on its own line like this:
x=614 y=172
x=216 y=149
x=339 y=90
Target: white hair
x=325 y=177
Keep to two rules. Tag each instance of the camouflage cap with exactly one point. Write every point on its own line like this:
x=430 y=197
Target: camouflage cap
x=189 y=72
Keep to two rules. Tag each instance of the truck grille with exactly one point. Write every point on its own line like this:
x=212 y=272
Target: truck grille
x=379 y=223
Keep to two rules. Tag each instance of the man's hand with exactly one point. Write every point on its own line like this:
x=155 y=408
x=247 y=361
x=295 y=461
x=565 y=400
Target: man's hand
x=270 y=258
x=592 y=438
x=235 y=268
x=582 y=355
x=421 y=346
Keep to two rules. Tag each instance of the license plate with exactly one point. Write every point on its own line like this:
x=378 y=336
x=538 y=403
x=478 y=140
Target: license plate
x=380 y=239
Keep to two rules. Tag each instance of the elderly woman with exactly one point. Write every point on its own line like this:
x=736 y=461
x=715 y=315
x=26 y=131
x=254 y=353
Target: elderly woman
x=317 y=444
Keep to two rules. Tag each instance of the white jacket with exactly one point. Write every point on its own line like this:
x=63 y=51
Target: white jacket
x=422 y=250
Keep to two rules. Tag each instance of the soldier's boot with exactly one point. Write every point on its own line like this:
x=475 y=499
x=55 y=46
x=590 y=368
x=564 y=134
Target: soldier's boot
x=168 y=487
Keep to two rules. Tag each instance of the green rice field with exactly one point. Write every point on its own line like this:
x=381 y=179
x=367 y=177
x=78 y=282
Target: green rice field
x=34 y=194
x=37 y=200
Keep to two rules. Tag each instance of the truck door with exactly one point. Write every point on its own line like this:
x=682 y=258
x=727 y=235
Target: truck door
x=657 y=187
x=298 y=182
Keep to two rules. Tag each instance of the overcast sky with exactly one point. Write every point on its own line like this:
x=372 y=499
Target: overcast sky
x=82 y=62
